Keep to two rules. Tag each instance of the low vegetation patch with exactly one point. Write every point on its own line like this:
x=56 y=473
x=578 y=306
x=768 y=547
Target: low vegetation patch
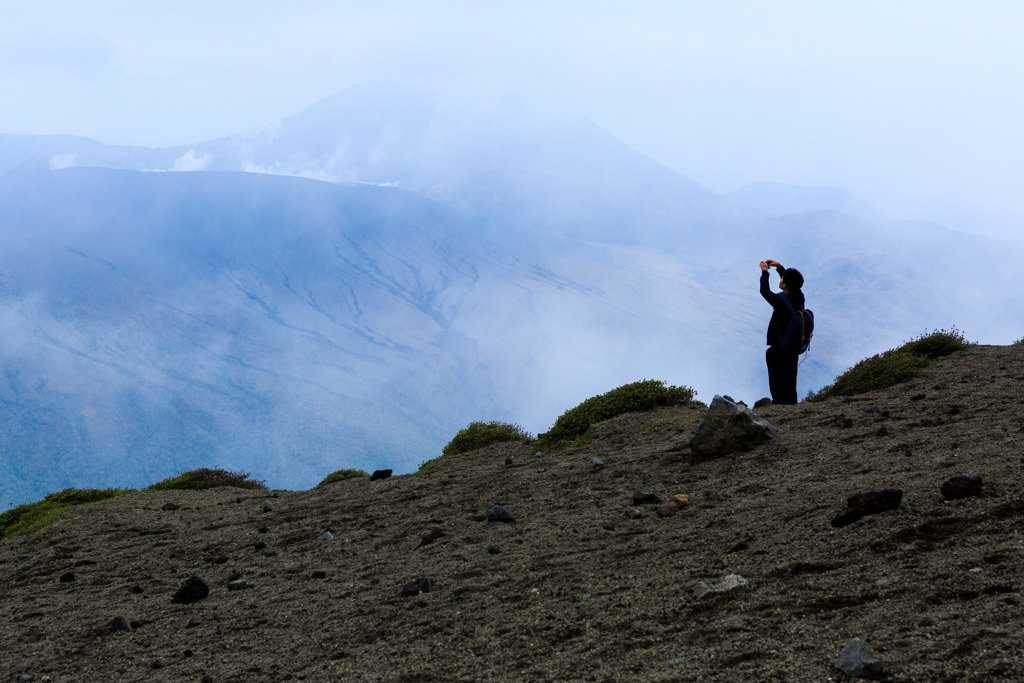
x=895 y=365
x=207 y=478
x=574 y=424
x=32 y=517
x=477 y=435
x=341 y=475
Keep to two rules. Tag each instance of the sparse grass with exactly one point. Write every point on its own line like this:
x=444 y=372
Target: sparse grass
x=341 y=475
x=574 y=424
x=475 y=436
x=207 y=478
x=34 y=517
x=894 y=366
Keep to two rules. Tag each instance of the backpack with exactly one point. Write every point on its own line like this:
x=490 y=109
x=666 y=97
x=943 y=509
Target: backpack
x=800 y=330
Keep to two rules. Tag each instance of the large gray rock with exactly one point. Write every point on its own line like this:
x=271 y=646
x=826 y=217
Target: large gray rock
x=728 y=427
x=856 y=660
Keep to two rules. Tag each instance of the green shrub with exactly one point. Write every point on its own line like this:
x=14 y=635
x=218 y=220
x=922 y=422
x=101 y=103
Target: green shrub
x=894 y=366
x=476 y=435
x=642 y=395
x=340 y=475
x=32 y=517
x=480 y=434
x=206 y=478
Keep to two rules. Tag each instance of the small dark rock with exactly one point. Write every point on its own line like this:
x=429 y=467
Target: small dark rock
x=241 y=499
x=170 y=507
x=500 y=514
x=380 y=474
x=218 y=559
x=666 y=510
x=25 y=678
x=596 y=464
x=135 y=624
x=156 y=664
x=847 y=422
x=908 y=453
x=868 y=503
x=318 y=575
x=645 y=498
x=609 y=525
x=882 y=431
x=259 y=545
x=20 y=557
x=239 y=585
x=742 y=545
x=267 y=506
x=234 y=576
x=67 y=577
x=857 y=661
x=494 y=550
x=633 y=513
x=136 y=589
x=917 y=397
x=193 y=589
x=120 y=624
x=263 y=529
x=325 y=536
x=416 y=586
x=509 y=461
x=186 y=654
x=962 y=487
x=761 y=402
x=431 y=536
x=871 y=410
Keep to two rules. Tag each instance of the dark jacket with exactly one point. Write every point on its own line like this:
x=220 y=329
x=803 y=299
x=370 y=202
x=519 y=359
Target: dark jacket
x=781 y=313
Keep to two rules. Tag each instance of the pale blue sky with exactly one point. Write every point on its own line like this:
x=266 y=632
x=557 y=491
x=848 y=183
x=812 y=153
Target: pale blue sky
x=915 y=106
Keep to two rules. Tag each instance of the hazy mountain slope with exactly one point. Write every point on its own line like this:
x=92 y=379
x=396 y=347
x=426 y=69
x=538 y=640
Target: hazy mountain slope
x=780 y=199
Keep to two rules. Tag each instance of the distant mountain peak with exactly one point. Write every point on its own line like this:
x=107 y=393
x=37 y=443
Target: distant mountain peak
x=783 y=199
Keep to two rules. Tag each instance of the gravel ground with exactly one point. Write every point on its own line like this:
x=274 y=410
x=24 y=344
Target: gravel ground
x=576 y=589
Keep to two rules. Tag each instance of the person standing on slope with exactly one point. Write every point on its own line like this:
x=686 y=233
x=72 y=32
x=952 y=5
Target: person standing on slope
x=781 y=366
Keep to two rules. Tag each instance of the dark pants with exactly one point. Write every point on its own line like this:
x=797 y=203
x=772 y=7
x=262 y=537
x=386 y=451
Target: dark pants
x=781 y=375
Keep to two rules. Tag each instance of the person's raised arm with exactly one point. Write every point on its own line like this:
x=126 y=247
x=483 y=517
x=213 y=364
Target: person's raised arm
x=766 y=290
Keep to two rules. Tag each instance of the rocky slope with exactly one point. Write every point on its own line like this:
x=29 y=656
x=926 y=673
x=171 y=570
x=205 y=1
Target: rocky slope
x=578 y=588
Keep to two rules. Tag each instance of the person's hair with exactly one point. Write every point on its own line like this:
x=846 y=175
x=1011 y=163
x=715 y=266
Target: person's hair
x=793 y=278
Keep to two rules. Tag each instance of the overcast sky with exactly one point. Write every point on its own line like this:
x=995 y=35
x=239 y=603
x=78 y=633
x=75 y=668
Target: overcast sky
x=915 y=106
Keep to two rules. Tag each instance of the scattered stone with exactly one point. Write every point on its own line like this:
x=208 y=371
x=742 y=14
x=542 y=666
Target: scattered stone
x=633 y=513
x=259 y=545
x=917 y=397
x=416 y=586
x=239 y=585
x=871 y=410
x=20 y=557
x=156 y=664
x=645 y=498
x=731 y=584
x=680 y=500
x=857 y=661
x=609 y=525
x=847 y=422
x=761 y=402
x=318 y=575
x=596 y=464
x=192 y=590
x=962 y=487
x=509 y=461
x=500 y=514
x=493 y=550
x=26 y=677
x=735 y=548
x=234 y=576
x=666 y=510
x=727 y=427
x=975 y=570
x=241 y=498
x=219 y=559
x=882 y=431
x=325 y=536
x=868 y=503
x=67 y=577
x=170 y=507
x=380 y=474
x=431 y=536
x=120 y=624
x=538 y=454
x=136 y=589
x=263 y=529
x=267 y=506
